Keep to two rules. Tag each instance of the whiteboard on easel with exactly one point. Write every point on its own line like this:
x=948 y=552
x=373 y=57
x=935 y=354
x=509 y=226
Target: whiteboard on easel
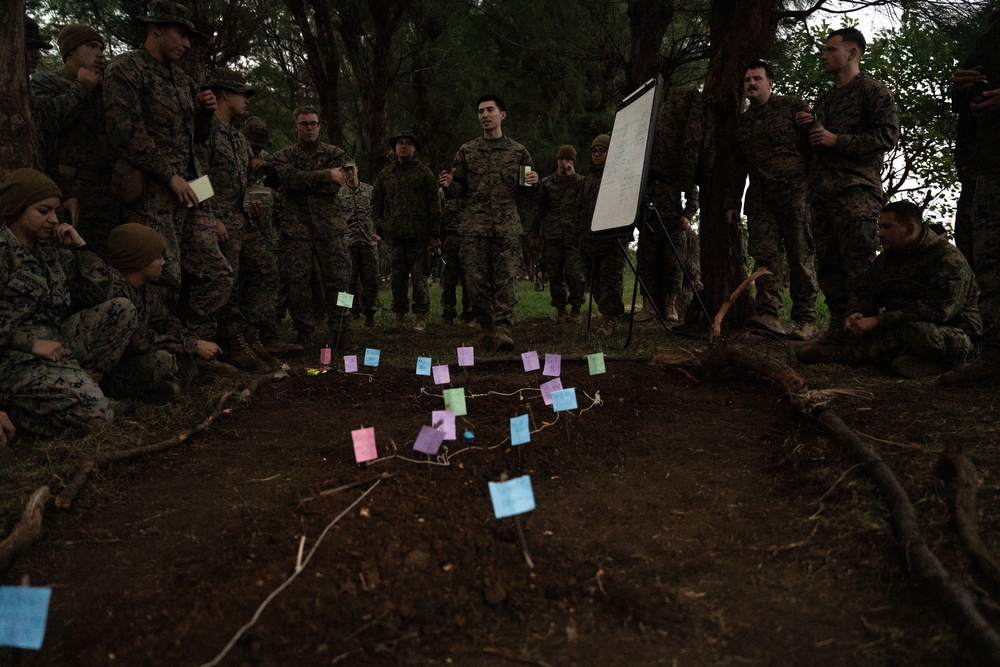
x=620 y=201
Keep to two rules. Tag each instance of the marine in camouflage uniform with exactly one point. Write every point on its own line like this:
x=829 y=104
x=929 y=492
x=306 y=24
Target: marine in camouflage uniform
x=918 y=299
x=354 y=204
x=676 y=155
x=555 y=225
x=603 y=259
x=852 y=126
x=406 y=209
x=487 y=175
x=451 y=271
x=242 y=243
x=978 y=89
x=156 y=125
x=79 y=155
x=310 y=228
x=49 y=391
x=773 y=150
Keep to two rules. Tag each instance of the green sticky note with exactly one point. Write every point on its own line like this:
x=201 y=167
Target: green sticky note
x=345 y=300
x=454 y=400
x=596 y=363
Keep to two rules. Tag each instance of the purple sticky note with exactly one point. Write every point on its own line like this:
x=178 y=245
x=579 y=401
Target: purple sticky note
x=441 y=374
x=466 y=357
x=530 y=361
x=364 y=444
x=549 y=387
x=351 y=363
x=553 y=364
x=444 y=420
x=325 y=356
x=429 y=440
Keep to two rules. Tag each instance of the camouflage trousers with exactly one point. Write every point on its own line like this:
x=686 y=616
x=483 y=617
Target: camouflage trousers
x=192 y=249
x=365 y=277
x=408 y=259
x=334 y=261
x=491 y=264
x=657 y=264
x=774 y=227
x=452 y=276
x=948 y=345
x=564 y=266
x=252 y=298
x=964 y=221
x=604 y=269
x=844 y=230
x=986 y=248
x=100 y=212
x=48 y=397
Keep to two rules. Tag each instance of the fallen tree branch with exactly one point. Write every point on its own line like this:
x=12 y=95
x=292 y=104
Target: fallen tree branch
x=27 y=531
x=957 y=466
x=958 y=605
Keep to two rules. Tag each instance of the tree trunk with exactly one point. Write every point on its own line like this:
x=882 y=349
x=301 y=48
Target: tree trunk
x=17 y=132
x=741 y=31
x=323 y=61
x=648 y=21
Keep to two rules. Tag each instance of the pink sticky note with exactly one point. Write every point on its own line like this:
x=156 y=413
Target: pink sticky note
x=530 y=361
x=364 y=444
x=429 y=440
x=445 y=421
x=441 y=374
x=553 y=364
x=351 y=363
x=466 y=356
x=549 y=387
x=324 y=356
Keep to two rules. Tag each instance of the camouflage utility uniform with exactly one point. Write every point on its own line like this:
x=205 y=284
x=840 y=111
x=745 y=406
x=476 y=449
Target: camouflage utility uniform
x=312 y=231
x=556 y=221
x=487 y=173
x=406 y=209
x=772 y=149
x=80 y=157
x=42 y=396
x=153 y=122
x=926 y=300
x=677 y=150
x=355 y=206
x=451 y=270
x=603 y=261
x=247 y=249
x=159 y=349
x=846 y=185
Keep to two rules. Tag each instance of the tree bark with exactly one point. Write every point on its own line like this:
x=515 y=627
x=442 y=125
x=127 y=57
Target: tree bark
x=17 y=131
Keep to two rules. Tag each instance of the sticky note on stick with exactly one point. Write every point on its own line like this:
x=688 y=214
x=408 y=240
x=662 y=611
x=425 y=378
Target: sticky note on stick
x=466 y=356
x=345 y=300
x=441 y=374
x=520 y=432
x=351 y=363
x=564 y=399
x=553 y=365
x=371 y=357
x=24 y=611
x=454 y=400
x=445 y=421
x=549 y=387
x=530 y=361
x=423 y=365
x=364 y=444
x=429 y=440
x=596 y=363
x=512 y=497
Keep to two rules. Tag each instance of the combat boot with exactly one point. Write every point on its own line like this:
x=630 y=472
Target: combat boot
x=242 y=357
x=216 y=367
x=670 y=309
x=503 y=338
x=419 y=322
x=646 y=313
x=575 y=315
x=767 y=322
x=369 y=319
x=986 y=368
x=607 y=326
x=914 y=367
x=253 y=340
x=802 y=330
x=399 y=321
x=561 y=315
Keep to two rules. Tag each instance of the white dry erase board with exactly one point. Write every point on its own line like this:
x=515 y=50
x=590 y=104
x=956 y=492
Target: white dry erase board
x=620 y=199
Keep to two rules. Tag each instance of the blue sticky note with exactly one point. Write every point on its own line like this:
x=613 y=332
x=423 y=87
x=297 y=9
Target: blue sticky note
x=564 y=399
x=371 y=357
x=512 y=497
x=424 y=366
x=519 y=431
x=23 y=613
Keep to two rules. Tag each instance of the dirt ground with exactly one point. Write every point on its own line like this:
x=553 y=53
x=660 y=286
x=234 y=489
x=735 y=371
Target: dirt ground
x=676 y=524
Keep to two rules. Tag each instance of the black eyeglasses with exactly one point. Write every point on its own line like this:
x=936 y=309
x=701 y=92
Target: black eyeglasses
x=308 y=123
